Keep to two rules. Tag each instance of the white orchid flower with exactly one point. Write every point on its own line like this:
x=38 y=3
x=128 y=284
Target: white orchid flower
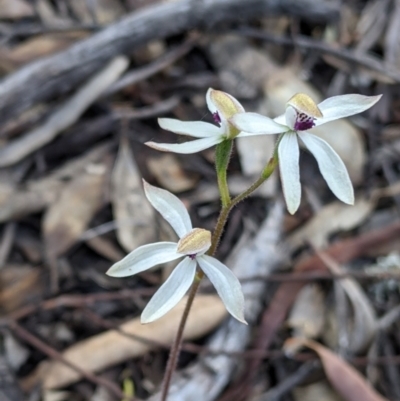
x=192 y=245
x=302 y=114
x=222 y=106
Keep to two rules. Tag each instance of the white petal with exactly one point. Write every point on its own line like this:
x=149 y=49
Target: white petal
x=187 y=147
x=342 y=106
x=144 y=258
x=197 y=129
x=331 y=166
x=170 y=207
x=290 y=116
x=227 y=285
x=288 y=151
x=171 y=292
x=281 y=119
x=256 y=124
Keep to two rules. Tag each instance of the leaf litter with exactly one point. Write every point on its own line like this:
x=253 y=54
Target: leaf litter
x=70 y=187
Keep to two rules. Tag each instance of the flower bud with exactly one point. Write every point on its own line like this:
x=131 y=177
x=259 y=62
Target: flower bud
x=195 y=242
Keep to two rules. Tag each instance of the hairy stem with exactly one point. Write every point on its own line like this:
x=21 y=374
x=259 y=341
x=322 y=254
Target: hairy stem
x=176 y=347
x=222 y=156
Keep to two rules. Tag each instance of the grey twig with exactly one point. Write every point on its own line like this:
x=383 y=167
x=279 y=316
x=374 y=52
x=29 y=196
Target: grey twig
x=43 y=79
x=65 y=116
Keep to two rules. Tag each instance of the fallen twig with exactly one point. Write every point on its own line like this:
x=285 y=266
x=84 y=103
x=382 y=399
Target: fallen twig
x=65 y=116
x=373 y=63
x=41 y=80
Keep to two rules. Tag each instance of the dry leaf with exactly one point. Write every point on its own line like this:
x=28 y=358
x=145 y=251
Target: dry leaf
x=49 y=16
x=307 y=317
x=19 y=286
x=104 y=11
x=346 y=380
x=364 y=324
x=15 y=353
x=35 y=195
x=132 y=211
x=169 y=173
x=105 y=248
x=36 y=47
x=319 y=391
x=49 y=395
x=15 y=9
x=111 y=347
x=67 y=218
x=242 y=68
x=254 y=153
x=332 y=218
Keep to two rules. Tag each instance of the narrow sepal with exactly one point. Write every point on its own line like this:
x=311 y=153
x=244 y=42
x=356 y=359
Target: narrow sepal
x=171 y=292
x=288 y=152
x=170 y=207
x=144 y=258
x=226 y=283
x=257 y=124
x=197 y=129
x=342 y=106
x=331 y=166
x=188 y=147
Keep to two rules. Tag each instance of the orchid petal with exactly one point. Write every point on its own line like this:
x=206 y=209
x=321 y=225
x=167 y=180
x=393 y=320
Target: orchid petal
x=256 y=124
x=343 y=106
x=288 y=152
x=170 y=207
x=290 y=116
x=171 y=292
x=246 y=134
x=281 y=119
x=187 y=147
x=144 y=258
x=331 y=166
x=197 y=129
x=227 y=285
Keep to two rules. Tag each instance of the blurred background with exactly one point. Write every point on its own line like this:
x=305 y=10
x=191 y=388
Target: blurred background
x=82 y=85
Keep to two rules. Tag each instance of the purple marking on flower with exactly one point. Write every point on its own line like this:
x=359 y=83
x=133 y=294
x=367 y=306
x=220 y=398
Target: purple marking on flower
x=216 y=117
x=304 y=122
x=193 y=257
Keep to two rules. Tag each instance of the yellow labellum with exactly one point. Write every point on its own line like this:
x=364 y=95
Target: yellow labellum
x=224 y=103
x=196 y=241
x=303 y=103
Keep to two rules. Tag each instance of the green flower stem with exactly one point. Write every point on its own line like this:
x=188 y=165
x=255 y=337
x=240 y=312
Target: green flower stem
x=216 y=237
x=222 y=155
